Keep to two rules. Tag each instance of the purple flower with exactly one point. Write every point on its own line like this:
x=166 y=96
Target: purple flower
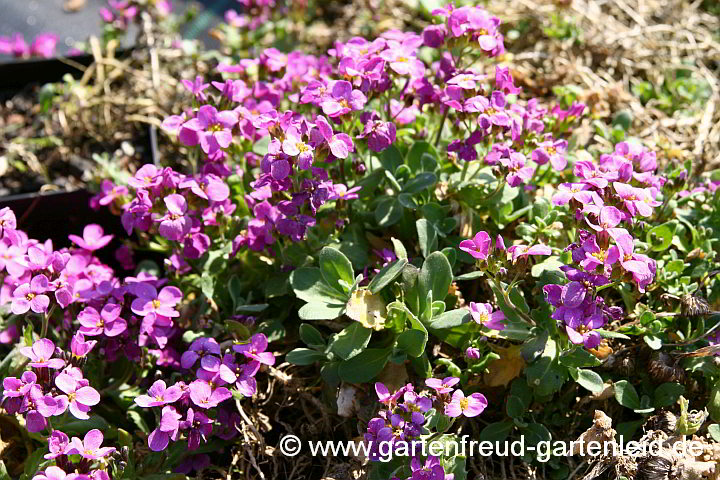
x=504 y=80
x=341 y=192
x=478 y=247
x=210 y=128
x=108 y=321
x=519 y=251
x=637 y=201
x=380 y=135
x=580 y=331
x=434 y=35
x=482 y=314
x=158 y=395
x=430 y=470
x=204 y=396
x=340 y=144
x=57 y=473
x=93 y=238
x=57 y=444
x=294 y=146
x=166 y=430
x=17 y=387
x=210 y=187
x=608 y=219
x=471 y=406
x=199 y=426
x=80 y=396
x=518 y=171
x=493 y=113
x=553 y=152
x=579 y=192
x=150 y=301
x=40 y=355
x=442 y=386
x=597 y=257
x=472 y=353
x=197 y=88
x=89 y=447
x=199 y=348
x=342 y=99
x=175 y=224
x=29 y=296
x=255 y=349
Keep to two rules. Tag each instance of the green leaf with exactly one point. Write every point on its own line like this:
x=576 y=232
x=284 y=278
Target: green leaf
x=545 y=375
x=667 y=394
x=515 y=407
x=139 y=421
x=579 y=357
x=470 y=275
x=388 y=212
x=653 y=341
x=420 y=182
x=311 y=336
x=364 y=366
x=422 y=156
x=321 y=311
x=351 y=341
x=608 y=334
x=714 y=431
x=626 y=395
x=309 y=285
x=661 y=237
x=435 y=276
x=79 y=428
x=400 y=251
x=450 y=319
x=387 y=274
x=496 y=432
x=4 y=475
x=412 y=342
x=335 y=267
x=304 y=356
x=391 y=158
x=590 y=380
x=427 y=236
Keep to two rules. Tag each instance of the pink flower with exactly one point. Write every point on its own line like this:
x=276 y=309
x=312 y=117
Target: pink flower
x=482 y=314
x=80 y=396
x=30 y=296
x=40 y=355
x=175 y=224
x=478 y=247
x=150 y=301
x=342 y=99
x=519 y=251
x=341 y=192
x=204 y=396
x=637 y=201
x=108 y=321
x=293 y=145
x=255 y=349
x=158 y=395
x=471 y=406
x=210 y=128
x=442 y=386
x=57 y=473
x=166 y=430
x=209 y=187
x=89 y=447
x=340 y=144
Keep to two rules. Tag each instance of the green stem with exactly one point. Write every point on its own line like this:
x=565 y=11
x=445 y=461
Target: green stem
x=46 y=321
x=466 y=165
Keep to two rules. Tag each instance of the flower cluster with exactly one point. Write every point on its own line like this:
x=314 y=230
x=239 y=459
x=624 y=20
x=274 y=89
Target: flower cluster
x=43 y=46
x=120 y=13
x=186 y=407
x=51 y=388
x=93 y=457
x=402 y=420
x=607 y=202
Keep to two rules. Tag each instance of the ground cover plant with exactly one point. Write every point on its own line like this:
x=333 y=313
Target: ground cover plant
x=388 y=241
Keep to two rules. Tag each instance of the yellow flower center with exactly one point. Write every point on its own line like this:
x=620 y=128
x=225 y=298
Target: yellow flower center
x=601 y=255
x=30 y=296
x=551 y=150
x=216 y=128
x=302 y=147
x=464 y=404
x=156 y=303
